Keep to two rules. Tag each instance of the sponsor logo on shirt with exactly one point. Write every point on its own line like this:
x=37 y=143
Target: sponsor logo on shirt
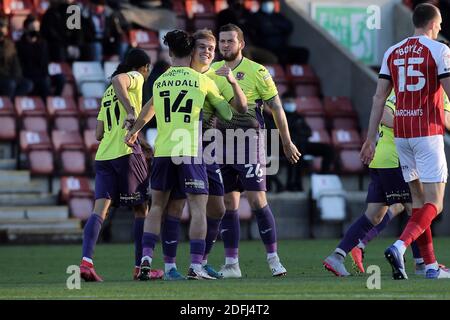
x=409 y=113
x=240 y=75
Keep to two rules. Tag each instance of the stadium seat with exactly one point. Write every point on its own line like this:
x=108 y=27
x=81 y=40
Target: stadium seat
x=344 y=123
x=180 y=10
x=320 y=136
x=69 y=90
x=90 y=142
x=67 y=140
x=110 y=67
x=72 y=162
x=74 y=186
x=199 y=8
x=301 y=73
x=94 y=89
x=205 y=23
x=41 y=162
x=307 y=90
x=34 y=124
x=220 y=5
x=345 y=139
x=7 y=120
x=34 y=140
x=61 y=106
x=23 y=7
x=316 y=123
x=277 y=72
x=144 y=39
x=90 y=78
x=282 y=88
x=66 y=123
x=7 y=128
x=29 y=106
x=91 y=123
x=350 y=161
x=309 y=106
x=81 y=207
x=6 y=106
x=64 y=68
x=89 y=106
x=338 y=106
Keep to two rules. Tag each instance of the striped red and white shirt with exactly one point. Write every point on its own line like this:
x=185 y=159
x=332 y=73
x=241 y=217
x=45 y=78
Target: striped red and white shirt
x=415 y=67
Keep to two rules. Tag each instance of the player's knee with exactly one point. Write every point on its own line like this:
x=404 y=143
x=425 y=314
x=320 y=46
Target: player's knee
x=231 y=203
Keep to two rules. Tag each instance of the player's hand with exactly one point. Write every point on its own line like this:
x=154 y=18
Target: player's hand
x=367 y=151
x=131 y=138
x=129 y=121
x=226 y=72
x=291 y=152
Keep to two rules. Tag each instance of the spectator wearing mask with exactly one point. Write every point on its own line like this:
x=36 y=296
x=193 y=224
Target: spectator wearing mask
x=34 y=58
x=12 y=83
x=271 y=30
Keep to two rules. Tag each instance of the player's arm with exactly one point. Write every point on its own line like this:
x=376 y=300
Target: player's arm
x=99 y=130
x=289 y=148
x=147 y=113
x=447 y=119
x=239 y=100
x=221 y=106
x=388 y=117
x=384 y=87
x=121 y=83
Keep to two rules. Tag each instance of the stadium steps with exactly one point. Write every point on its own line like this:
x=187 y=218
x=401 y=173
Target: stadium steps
x=8 y=164
x=28 y=199
x=34 y=186
x=14 y=176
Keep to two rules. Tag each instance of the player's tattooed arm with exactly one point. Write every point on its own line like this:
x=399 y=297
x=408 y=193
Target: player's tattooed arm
x=289 y=148
x=239 y=101
x=147 y=113
x=121 y=83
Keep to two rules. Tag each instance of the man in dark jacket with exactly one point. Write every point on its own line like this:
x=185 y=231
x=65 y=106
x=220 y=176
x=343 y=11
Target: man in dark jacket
x=12 y=82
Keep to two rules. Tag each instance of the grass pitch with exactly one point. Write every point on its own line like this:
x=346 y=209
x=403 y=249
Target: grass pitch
x=39 y=272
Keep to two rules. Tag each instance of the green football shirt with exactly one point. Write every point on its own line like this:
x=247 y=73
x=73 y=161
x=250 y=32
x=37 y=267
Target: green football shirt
x=178 y=96
x=257 y=85
x=113 y=114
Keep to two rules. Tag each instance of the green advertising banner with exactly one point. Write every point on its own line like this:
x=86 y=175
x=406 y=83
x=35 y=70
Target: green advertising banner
x=348 y=25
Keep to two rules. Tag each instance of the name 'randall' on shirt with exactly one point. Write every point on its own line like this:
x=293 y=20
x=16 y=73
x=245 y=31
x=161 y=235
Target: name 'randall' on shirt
x=409 y=113
x=176 y=83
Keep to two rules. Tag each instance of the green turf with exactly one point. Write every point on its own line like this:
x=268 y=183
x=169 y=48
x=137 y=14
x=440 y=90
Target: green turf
x=39 y=272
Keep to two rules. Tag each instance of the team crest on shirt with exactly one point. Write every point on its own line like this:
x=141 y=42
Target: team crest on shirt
x=240 y=75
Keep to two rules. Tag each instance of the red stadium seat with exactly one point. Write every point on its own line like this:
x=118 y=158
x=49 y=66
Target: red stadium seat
x=61 y=106
x=307 y=90
x=81 y=207
x=346 y=139
x=29 y=106
x=91 y=123
x=199 y=8
x=7 y=128
x=34 y=140
x=350 y=161
x=41 y=162
x=34 y=124
x=301 y=73
x=89 y=106
x=316 y=123
x=90 y=142
x=64 y=68
x=309 y=106
x=6 y=106
x=220 y=5
x=282 y=88
x=67 y=124
x=277 y=72
x=23 y=7
x=144 y=39
x=73 y=162
x=74 y=186
x=344 y=123
x=67 y=140
x=320 y=136
x=338 y=106
x=69 y=90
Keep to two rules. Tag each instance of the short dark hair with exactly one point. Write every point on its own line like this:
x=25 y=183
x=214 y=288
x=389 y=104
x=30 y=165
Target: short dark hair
x=423 y=14
x=179 y=42
x=232 y=27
